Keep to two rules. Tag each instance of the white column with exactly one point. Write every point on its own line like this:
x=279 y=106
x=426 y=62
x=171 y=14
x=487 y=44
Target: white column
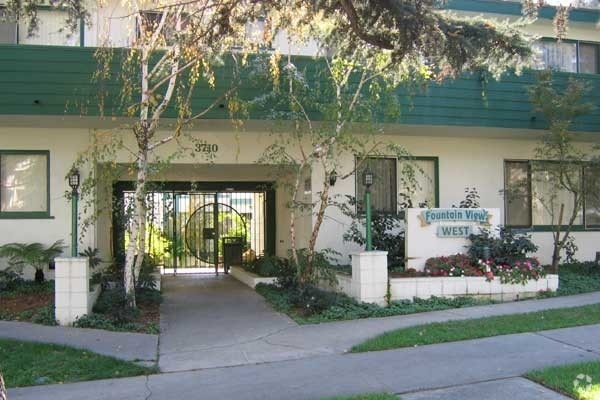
x=72 y=289
x=370 y=276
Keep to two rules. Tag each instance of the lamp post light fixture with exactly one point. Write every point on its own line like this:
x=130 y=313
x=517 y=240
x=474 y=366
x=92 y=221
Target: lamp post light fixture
x=332 y=178
x=74 y=180
x=368 y=178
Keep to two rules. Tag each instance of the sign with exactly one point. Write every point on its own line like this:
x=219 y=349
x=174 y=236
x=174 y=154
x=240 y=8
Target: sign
x=477 y=215
x=207 y=148
x=434 y=232
x=453 y=231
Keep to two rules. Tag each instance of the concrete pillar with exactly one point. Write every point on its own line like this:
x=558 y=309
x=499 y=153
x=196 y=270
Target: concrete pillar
x=72 y=289
x=370 y=276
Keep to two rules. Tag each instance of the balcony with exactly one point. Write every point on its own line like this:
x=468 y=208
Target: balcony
x=50 y=80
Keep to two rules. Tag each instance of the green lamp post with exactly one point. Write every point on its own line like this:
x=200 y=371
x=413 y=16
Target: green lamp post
x=368 y=181
x=74 y=183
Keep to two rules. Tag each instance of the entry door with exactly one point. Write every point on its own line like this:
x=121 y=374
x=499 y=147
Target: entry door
x=196 y=226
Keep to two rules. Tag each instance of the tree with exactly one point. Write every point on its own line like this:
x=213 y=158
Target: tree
x=351 y=95
x=173 y=55
x=36 y=255
x=558 y=173
x=179 y=43
x=3 y=395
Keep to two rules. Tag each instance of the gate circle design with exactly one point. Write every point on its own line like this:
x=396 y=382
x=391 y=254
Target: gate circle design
x=200 y=229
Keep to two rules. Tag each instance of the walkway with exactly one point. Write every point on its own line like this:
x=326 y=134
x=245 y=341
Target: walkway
x=122 y=345
x=403 y=371
x=209 y=322
x=212 y=322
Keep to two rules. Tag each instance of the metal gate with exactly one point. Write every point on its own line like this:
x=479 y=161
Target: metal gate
x=190 y=231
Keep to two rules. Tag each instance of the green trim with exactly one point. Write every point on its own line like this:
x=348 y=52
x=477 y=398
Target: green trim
x=57 y=80
x=31 y=214
x=514 y=8
x=550 y=228
x=25 y=215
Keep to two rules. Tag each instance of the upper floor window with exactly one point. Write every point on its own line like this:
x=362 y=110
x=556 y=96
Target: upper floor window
x=569 y=56
x=8 y=29
x=24 y=185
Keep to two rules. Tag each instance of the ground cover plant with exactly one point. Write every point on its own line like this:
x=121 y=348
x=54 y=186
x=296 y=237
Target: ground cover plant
x=311 y=305
x=27 y=301
x=27 y=364
x=452 y=331
x=580 y=381
x=578 y=278
x=112 y=313
x=32 y=301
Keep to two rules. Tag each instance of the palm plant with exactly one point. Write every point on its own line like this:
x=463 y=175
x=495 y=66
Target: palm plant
x=35 y=254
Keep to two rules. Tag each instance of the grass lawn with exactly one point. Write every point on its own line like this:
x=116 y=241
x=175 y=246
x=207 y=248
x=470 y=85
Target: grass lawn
x=441 y=332
x=562 y=379
x=372 y=396
x=27 y=364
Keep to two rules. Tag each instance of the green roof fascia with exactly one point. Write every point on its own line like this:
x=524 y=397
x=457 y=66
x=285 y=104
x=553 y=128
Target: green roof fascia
x=514 y=8
x=52 y=80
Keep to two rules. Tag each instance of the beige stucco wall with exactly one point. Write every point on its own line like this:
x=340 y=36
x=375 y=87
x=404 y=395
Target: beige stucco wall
x=467 y=157
x=466 y=161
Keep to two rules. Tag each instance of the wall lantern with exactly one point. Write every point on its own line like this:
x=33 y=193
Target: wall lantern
x=368 y=178
x=332 y=178
x=74 y=181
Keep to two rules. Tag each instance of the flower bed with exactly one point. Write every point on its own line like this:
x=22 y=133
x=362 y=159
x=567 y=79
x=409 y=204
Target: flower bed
x=461 y=265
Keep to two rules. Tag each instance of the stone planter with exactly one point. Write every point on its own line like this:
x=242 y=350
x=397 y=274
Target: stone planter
x=425 y=287
x=248 y=278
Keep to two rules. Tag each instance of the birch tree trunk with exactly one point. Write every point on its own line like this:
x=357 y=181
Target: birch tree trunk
x=3 y=395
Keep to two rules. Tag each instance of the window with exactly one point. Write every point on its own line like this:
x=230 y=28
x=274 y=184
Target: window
x=531 y=197
x=422 y=191
x=392 y=190
x=591 y=178
x=8 y=29
x=383 y=190
x=588 y=58
x=517 y=193
x=569 y=56
x=549 y=195
x=24 y=186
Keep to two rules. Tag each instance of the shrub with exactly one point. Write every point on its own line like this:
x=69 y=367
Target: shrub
x=387 y=234
x=9 y=280
x=503 y=247
x=516 y=272
x=146 y=277
x=112 y=303
x=270 y=266
x=93 y=256
x=34 y=254
x=45 y=316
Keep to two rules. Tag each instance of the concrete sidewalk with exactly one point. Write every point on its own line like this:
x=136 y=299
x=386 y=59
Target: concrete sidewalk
x=123 y=345
x=209 y=322
x=451 y=366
